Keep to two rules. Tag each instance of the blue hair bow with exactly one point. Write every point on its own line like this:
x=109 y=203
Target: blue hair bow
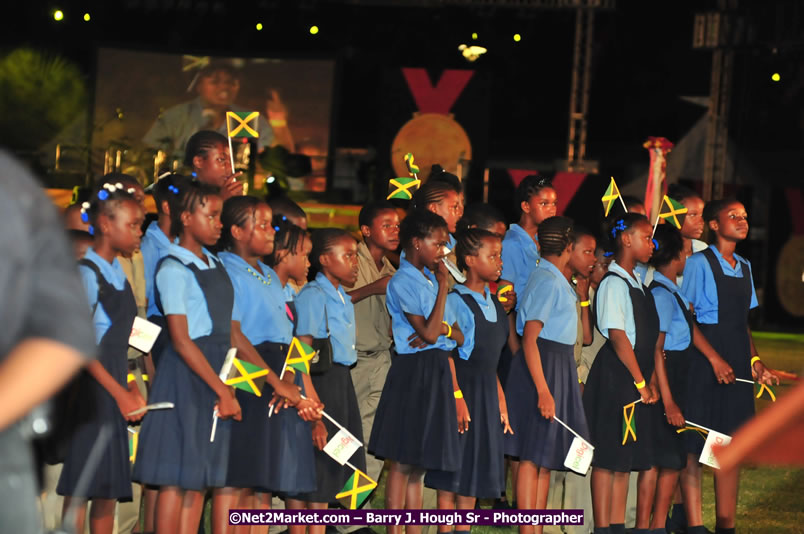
x=173 y=189
x=655 y=244
x=103 y=194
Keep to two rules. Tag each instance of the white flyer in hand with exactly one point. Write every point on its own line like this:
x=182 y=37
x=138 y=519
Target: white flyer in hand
x=579 y=457
x=342 y=446
x=707 y=455
x=143 y=334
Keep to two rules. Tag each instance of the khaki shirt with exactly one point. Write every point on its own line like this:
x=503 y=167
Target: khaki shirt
x=134 y=267
x=371 y=315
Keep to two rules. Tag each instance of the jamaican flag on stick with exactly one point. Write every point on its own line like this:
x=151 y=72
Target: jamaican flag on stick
x=356 y=490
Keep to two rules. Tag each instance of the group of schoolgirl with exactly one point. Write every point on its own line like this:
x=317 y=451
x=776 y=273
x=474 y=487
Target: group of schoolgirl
x=442 y=416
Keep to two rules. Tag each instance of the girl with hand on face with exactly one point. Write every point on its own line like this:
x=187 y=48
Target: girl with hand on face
x=621 y=372
x=415 y=424
x=207 y=154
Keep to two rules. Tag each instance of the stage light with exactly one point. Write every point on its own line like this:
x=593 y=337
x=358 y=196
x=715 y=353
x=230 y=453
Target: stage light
x=776 y=77
x=313 y=30
x=58 y=15
x=517 y=37
x=86 y=17
x=259 y=26
x=474 y=36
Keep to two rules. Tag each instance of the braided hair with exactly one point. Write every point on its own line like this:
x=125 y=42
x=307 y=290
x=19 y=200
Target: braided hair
x=468 y=242
x=105 y=200
x=681 y=192
x=167 y=190
x=283 y=205
x=418 y=225
x=480 y=215
x=555 y=234
x=192 y=194
x=287 y=240
x=323 y=241
x=668 y=244
x=530 y=186
x=200 y=143
x=236 y=212
x=436 y=189
x=615 y=227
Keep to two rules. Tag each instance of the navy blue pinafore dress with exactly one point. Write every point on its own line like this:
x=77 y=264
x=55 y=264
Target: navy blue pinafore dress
x=174 y=447
x=111 y=478
x=481 y=472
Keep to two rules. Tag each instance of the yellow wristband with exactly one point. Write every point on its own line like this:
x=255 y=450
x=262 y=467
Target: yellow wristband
x=640 y=385
x=449 y=328
x=144 y=378
x=754 y=360
x=130 y=378
x=585 y=304
x=291 y=369
x=458 y=394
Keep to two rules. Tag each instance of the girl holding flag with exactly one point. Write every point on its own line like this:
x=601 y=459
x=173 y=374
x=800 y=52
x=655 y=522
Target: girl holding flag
x=283 y=464
x=334 y=264
x=719 y=285
x=543 y=378
x=619 y=376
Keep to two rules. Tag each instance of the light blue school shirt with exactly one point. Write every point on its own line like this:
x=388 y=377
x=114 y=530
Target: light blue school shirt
x=671 y=317
x=614 y=307
x=699 y=284
x=321 y=296
x=549 y=298
x=413 y=291
x=154 y=246
x=261 y=295
x=520 y=255
x=180 y=292
x=113 y=273
x=466 y=319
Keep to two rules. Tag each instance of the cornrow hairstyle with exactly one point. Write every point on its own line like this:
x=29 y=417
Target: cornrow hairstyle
x=615 y=227
x=432 y=192
x=530 y=186
x=105 y=200
x=468 y=242
x=419 y=224
x=167 y=189
x=287 y=240
x=200 y=143
x=555 y=234
x=237 y=211
x=371 y=211
x=480 y=215
x=323 y=241
x=193 y=194
x=714 y=207
x=681 y=192
x=438 y=173
x=668 y=244
x=283 y=205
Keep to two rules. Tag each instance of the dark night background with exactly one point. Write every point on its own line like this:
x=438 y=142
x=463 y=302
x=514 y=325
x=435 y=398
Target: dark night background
x=643 y=62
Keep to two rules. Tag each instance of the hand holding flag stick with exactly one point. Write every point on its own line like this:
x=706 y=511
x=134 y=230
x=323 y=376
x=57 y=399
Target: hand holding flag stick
x=298 y=359
x=241 y=124
x=760 y=388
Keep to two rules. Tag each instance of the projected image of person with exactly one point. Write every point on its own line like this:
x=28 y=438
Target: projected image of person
x=217 y=86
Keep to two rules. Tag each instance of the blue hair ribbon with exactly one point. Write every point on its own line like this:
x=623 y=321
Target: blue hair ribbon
x=103 y=194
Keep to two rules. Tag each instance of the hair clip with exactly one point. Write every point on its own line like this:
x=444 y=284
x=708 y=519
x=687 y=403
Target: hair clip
x=284 y=218
x=173 y=189
x=130 y=190
x=619 y=225
x=91 y=230
x=608 y=254
x=655 y=244
x=84 y=214
x=103 y=194
x=276 y=228
x=118 y=185
x=193 y=174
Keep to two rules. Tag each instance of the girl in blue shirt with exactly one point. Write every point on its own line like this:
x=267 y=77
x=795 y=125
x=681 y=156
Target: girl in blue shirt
x=415 y=424
x=543 y=377
x=718 y=283
x=481 y=317
x=626 y=316
x=196 y=297
x=282 y=466
x=104 y=399
x=334 y=264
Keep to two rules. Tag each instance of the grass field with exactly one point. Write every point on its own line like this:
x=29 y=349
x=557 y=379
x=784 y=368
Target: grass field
x=771 y=498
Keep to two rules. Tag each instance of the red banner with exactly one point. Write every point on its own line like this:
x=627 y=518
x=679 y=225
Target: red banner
x=438 y=99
